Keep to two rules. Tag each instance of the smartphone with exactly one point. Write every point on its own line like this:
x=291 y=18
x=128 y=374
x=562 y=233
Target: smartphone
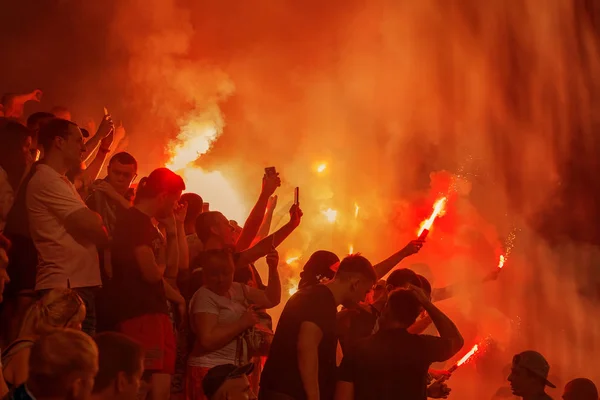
x=270 y=171
x=297 y=196
x=205 y=207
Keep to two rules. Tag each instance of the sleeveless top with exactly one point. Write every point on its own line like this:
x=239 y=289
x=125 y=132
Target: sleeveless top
x=10 y=352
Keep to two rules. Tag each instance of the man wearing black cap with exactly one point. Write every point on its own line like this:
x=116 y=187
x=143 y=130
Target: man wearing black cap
x=228 y=382
x=529 y=376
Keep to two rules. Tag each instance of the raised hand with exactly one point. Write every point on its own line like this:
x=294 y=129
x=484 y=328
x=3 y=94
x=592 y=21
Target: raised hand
x=273 y=259
x=413 y=247
x=295 y=215
x=270 y=183
x=180 y=212
x=106 y=126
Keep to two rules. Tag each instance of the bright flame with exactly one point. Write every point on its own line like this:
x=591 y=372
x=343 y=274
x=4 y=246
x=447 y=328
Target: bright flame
x=438 y=210
x=321 y=167
x=501 y=261
x=330 y=214
x=293 y=286
x=291 y=260
x=468 y=355
x=351 y=249
x=356 y=209
x=195 y=139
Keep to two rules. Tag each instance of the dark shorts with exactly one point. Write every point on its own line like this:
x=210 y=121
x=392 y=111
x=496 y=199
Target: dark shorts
x=155 y=333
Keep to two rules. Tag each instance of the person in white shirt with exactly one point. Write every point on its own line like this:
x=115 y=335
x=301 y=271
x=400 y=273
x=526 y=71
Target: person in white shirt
x=65 y=232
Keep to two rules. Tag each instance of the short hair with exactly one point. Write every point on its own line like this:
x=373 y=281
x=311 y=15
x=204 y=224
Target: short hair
x=355 y=264
x=194 y=203
x=54 y=128
x=117 y=353
x=56 y=356
x=204 y=222
x=425 y=285
x=403 y=306
x=583 y=388
x=159 y=181
x=59 y=109
x=403 y=276
x=123 y=158
x=35 y=118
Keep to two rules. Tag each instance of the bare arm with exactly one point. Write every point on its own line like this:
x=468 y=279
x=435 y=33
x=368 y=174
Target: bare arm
x=17 y=370
x=385 y=266
x=309 y=338
x=211 y=335
x=151 y=271
x=264 y=247
x=84 y=223
x=106 y=127
x=182 y=246
x=172 y=293
x=265 y=227
x=344 y=391
x=443 y=324
x=172 y=256
x=420 y=325
x=271 y=296
x=257 y=214
x=90 y=174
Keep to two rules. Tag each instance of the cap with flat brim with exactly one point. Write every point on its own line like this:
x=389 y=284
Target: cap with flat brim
x=535 y=363
x=216 y=376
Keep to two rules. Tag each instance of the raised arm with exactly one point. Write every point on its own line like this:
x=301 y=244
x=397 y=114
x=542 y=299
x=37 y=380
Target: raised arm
x=262 y=248
x=309 y=338
x=271 y=296
x=385 y=266
x=254 y=221
x=265 y=227
x=106 y=127
x=443 y=324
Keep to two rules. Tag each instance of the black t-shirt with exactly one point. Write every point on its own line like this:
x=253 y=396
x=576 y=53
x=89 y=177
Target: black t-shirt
x=140 y=297
x=393 y=364
x=281 y=374
x=355 y=324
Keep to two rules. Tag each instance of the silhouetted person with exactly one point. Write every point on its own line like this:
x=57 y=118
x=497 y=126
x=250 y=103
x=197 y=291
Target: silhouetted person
x=580 y=389
x=529 y=376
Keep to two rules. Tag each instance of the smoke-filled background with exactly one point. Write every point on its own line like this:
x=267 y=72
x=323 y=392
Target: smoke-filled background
x=375 y=109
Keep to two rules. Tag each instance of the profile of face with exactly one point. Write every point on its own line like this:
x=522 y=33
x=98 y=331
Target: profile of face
x=127 y=387
x=223 y=229
x=120 y=175
x=358 y=289
x=73 y=147
x=522 y=382
x=236 y=389
x=166 y=203
x=218 y=274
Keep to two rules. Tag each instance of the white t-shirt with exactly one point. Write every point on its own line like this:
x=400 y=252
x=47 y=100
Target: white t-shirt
x=229 y=310
x=63 y=260
x=7 y=197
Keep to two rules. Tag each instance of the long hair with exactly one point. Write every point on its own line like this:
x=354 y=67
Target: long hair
x=57 y=309
x=13 y=136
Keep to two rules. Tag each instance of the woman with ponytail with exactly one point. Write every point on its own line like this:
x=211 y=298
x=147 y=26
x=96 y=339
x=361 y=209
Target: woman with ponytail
x=59 y=308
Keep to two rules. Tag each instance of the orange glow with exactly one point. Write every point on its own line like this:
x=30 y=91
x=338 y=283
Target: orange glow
x=321 y=167
x=293 y=286
x=291 y=260
x=438 y=210
x=351 y=249
x=356 y=209
x=468 y=355
x=194 y=140
x=105 y=111
x=501 y=261
x=330 y=214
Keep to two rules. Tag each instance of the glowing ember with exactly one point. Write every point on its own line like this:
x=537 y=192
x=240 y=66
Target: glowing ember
x=321 y=167
x=330 y=214
x=356 y=209
x=468 y=355
x=195 y=139
x=351 y=249
x=291 y=260
x=438 y=210
x=501 y=261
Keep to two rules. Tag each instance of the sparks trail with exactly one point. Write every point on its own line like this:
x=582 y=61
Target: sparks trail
x=438 y=210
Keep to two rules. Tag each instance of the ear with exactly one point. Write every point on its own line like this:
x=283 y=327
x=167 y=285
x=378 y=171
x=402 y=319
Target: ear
x=78 y=388
x=121 y=381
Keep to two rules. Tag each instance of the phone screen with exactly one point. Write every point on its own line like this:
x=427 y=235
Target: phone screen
x=297 y=196
x=270 y=171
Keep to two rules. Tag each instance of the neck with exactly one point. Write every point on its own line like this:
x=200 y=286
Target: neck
x=56 y=162
x=147 y=207
x=534 y=395
x=339 y=291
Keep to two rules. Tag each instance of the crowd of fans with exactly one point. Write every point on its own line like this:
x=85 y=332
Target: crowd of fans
x=116 y=290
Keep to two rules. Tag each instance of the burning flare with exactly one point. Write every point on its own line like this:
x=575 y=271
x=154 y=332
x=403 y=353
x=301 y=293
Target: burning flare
x=356 y=209
x=501 y=261
x=351 y=249
x=330 y=214
x=293 y=286
x=438 y=210
x=467 y=356
x=321 y=167
x=291 y=260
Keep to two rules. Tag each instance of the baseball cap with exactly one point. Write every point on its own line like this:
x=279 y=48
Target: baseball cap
x=216 y=376
x=321 y=265
x=535 y=363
